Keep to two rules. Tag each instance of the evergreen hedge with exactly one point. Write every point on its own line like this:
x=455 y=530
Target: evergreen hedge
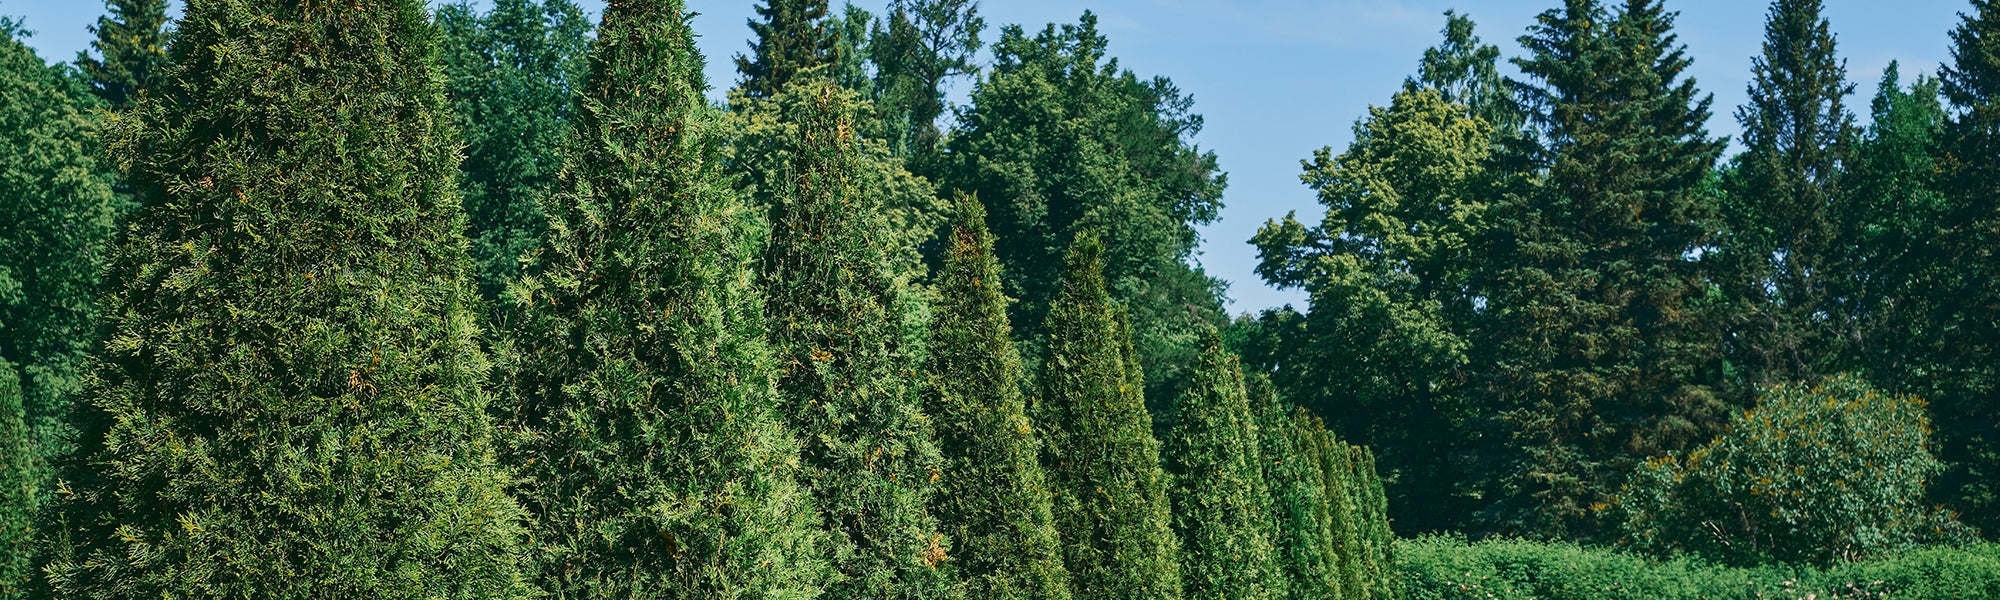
x=651 y=451
x=1219 y=498
x=288 y=403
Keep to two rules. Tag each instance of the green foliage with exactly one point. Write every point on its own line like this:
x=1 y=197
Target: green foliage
x=923 y=44
x=1111 y=507
x=18 y=483
x=511 y=74
x=1060 y=140
x=761 y=153
x=793 y=37
x=1964 y=377
x=848 y=375
x=993 y=498
x=288 y=403
x=57 y=213
x=1300 y=535
x=1897 y=204
x=1777 y=251
x=131 y=50
x=1832 y=472
x=1356 y=527
x=1389 y=269
x=1216 y=461
x=1444 y=568
x=1467 y=73
x=650 y=444
x=1595 y=354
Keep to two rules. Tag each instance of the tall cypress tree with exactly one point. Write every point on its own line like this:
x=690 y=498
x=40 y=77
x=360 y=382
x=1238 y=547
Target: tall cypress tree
x=993 y=498
x=1966 y=369
x=1219 y=500
x=836 y=312
x=1111 y=507
x=1599 y=355
x=288 y=405
x=653 y=455
x=792 y=38
x=1341 y=508
x=57 y=213
x=512 y=75
x=1781 y=235
x=131 y=50
x=17 y=490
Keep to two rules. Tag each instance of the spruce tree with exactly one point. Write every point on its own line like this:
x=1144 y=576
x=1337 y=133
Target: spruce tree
x=847 y=374
x=18 y=483
x=288 y=404
x=653 y=457
x=993 y=498
x=57 y=213
x=131 y=50
x=1600 y=353
x=1299 y=537
x=792 y=38
x=1779 y=213
x=1892 y=270
x=512 y=76
x=1967 y=368
x=1216 y=464
x=1111 y=507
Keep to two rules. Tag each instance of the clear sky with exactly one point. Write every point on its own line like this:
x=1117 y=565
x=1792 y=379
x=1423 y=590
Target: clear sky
x=1277 y=79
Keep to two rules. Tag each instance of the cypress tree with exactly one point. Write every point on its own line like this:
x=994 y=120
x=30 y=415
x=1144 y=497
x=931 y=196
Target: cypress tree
x=131 y=50
x=837 y=313
x=1298 y=531
x=1601 y=355
x=1967 y=368
x=288 y=405
x=792 y=38
x=1340 y=510
x=1104 y=463
x=1779 y=211
x=512 y=74
x=653 y=456
x=57 y=213
x=17 y=490
x=993 y=498
x=1219 y=502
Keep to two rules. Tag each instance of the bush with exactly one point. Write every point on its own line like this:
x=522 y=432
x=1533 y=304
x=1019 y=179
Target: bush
x=1831 y=473
x=1448 y=568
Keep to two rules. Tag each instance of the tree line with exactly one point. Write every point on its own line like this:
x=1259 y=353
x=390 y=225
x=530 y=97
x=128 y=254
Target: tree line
x=1525 y=289
x=366 y=299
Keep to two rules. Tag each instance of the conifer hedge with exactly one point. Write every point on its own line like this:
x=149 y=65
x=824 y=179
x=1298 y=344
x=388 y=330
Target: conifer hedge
x=847 y=375
x=288 y=403
x=651 y=451
x=1111 y=507
x=993 y=497
x=1215 y=460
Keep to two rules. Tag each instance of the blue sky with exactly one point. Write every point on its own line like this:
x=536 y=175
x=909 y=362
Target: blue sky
x=1277 y=79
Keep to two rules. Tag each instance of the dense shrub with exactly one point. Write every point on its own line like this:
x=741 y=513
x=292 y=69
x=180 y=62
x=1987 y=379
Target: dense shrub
x=1440 y=568
x=1831 y=472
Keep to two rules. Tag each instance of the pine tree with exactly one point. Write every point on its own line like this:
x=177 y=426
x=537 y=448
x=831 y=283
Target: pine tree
x=653 y=455
x=1106 y=151
x=1298 y=531
x=512 y=75
x=57 y=215
x=1215 y=461
x=288 y=404
x=18 y=483
x=1599 y=352
x=792 y=38
x=993 y=498
x=1104 y=463
x=1781 y=235
x=922 y=45
x=1466 y=72
x=131 y=50
x=837 y=312
x=1966 y=372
